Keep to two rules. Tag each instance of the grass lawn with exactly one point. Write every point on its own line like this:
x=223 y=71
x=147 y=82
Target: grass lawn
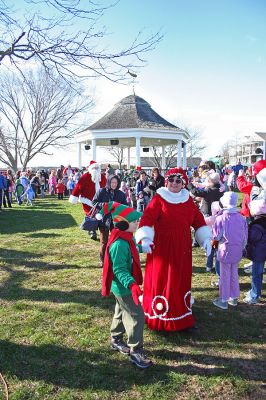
x=54 y=324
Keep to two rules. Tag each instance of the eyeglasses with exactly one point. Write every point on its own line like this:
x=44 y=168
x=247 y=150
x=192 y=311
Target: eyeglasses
x=173 y=179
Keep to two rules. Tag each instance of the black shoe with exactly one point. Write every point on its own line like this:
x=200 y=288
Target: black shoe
x=93 y=235
x=139 y=358
x=118 y=344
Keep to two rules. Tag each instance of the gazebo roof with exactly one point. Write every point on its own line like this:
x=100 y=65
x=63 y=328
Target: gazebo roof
x=132 y=112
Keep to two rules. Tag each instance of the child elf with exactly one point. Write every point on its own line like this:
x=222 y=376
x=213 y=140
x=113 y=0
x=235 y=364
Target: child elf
x=122 y=276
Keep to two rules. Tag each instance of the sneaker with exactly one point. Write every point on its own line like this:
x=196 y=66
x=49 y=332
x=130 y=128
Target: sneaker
x=93 y=235
x=249 y=300
x=215 y=284
x=139 y=358
x=248 y=268
x=221 y=304
x=118 y=344
x=232 y=302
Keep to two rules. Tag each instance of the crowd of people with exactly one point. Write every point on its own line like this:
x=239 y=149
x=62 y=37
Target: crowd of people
x=202 y=200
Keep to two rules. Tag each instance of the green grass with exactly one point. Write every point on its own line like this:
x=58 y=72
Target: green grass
x=54 y=324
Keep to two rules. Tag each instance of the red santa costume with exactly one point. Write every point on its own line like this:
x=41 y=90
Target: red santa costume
x=167 y=285
x=87 y=186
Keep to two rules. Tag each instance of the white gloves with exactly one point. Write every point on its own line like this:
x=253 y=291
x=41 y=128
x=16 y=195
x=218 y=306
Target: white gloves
x=147 y=245
x=207 y=246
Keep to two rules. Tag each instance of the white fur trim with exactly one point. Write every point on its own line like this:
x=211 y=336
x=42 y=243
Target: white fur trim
x=165 y=308
x=85 y=200
x=92 y=166
x=203 y=233
x=73 y=199
x=173 y=198
x=261 y=177
x=145 y=232
x=257 y=207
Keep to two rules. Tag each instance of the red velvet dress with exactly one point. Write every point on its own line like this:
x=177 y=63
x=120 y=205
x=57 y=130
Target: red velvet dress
x=168 y=272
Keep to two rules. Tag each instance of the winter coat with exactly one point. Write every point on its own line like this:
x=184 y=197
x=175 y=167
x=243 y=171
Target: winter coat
x=245 y=187
x=155 y=184
x=140 y=186
x=230 y=228
x=3 y=182
x=60 y=188
x=256 y=247
x=104 y=195
x=209 y=195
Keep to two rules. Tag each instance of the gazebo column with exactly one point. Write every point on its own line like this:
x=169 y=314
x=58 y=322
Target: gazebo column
x=137 y=151
x=179 y=153
x=163 y=158
x=184 y=156
x=79 y=155
x=128 y=158
x=93 y=146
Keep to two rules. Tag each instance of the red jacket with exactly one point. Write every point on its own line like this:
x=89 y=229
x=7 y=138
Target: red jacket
x=245 y=187
x=60 y=188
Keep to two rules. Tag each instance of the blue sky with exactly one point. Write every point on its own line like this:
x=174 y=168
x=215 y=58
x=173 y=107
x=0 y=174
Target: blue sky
x=208 y=72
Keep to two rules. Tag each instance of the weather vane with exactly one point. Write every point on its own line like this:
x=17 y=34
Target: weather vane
x=134 y=76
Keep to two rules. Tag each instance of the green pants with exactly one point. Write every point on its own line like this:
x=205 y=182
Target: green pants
x=128 y=318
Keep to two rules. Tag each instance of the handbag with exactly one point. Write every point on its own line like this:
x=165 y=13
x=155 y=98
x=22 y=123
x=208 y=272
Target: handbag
x=90 y=223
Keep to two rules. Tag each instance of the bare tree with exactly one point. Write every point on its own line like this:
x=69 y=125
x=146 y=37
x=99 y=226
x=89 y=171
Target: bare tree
x=37 y=112
x=118 y=154
x=195 y=147
x=56 y=39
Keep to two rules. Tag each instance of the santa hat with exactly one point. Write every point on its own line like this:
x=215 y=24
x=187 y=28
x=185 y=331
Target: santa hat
x=179 y=172
x=257 y=207
x=92 y=165
x=138 y=168
x=229 y=200
x=119 y=212
x=259 y=169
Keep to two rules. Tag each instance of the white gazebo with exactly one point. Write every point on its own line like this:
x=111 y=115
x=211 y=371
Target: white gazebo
x=133 y=123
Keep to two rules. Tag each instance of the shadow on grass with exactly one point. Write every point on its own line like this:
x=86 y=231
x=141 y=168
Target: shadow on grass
x=99 y=370
x=12 y=289
x=28 y=220
x=43 y=235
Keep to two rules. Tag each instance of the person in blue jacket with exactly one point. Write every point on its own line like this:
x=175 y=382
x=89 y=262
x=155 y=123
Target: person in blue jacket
x=3 y=186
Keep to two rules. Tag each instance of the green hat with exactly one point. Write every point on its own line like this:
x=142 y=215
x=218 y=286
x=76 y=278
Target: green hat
x=120 y=212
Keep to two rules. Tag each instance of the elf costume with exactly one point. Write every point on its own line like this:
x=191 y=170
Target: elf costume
x=167 y=285
x=121 y=272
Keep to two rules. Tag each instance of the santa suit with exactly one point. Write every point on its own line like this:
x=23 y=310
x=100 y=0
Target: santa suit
x=168 y=273
x=85 y=190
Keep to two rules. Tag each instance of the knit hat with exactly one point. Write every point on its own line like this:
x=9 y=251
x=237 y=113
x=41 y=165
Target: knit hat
x=119 y=212
x=179 y=172
x=259 y=169
x=257 y=207
x=229 y=200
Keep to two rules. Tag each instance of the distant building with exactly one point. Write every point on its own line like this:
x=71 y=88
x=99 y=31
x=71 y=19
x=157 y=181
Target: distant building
x=133 y=124
x=250 y=150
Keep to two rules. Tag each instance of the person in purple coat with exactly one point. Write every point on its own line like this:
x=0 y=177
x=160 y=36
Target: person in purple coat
x=256 y=249
x=230 y=229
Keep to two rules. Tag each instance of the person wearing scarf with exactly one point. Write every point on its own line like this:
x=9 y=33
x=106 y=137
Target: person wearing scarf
x=122 y=276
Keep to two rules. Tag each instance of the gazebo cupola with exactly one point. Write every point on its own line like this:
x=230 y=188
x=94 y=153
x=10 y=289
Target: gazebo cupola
x=133 y=123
